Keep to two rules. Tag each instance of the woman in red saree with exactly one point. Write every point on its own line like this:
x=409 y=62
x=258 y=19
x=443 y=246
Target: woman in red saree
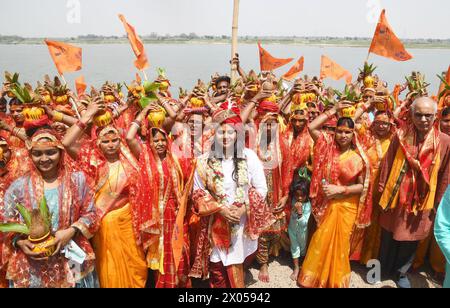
x=9 y=171
x=341 y=203
x=158 y=199
x=112 y=169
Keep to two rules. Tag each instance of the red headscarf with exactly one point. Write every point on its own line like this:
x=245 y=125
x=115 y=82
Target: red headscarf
x=228 y=113
x=267 y=107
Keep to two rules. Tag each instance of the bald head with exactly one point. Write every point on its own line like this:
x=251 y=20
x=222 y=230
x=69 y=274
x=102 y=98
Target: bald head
x=424 y=102
x=423 y=114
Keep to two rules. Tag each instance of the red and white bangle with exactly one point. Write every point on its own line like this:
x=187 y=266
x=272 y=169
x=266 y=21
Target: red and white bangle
x=81 y=125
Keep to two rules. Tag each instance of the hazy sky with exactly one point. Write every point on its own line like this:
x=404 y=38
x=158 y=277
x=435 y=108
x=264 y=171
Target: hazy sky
x=51 y=18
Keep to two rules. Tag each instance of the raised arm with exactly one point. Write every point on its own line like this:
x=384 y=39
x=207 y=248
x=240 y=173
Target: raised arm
x=132 y=141
x=246 y=112
x=284 y=103
x=59 y=116
x=236 y=61
x=366 y=106
x=314 y=127
x=76 y=131
x=15 y=131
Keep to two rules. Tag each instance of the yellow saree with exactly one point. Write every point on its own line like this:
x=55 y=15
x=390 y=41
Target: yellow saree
x=120 y=261
x=327 y=262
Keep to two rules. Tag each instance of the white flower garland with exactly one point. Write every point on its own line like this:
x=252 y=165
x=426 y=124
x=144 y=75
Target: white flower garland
x=215 y=174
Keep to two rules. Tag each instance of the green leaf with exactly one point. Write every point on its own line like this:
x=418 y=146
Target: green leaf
x=45 y=213
x=161 y=72
x=146 y=100
x=443 y=80
x=26 y=215
x=151 y=87
x=27 y=95
x=15 y=228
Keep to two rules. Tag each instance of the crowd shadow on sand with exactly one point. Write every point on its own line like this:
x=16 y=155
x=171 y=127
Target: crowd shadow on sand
x=281 y=268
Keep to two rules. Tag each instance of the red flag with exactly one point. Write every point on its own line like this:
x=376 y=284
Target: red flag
x=295 y=70
x=268 y=62
x=80 y=85
x=67 y=58
x=331 y=69
x=141 y=62
x=386 y=44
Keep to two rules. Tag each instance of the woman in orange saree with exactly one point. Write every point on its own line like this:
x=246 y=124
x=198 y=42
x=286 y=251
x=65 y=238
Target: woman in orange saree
x=341 y=203
x=162 y=227
x=120 y=261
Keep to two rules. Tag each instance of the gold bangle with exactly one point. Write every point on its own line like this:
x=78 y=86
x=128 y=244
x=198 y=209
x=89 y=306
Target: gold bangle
x=15 y=131
x=58 y=116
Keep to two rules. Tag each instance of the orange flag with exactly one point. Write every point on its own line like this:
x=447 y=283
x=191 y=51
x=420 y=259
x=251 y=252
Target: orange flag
x=67 y=58
x=442 y=88
x=386 y=44
x=80 y=85
x=141 y=62
x=295 y=70
x=268 y=62
x=331 y=69
x=178 y=232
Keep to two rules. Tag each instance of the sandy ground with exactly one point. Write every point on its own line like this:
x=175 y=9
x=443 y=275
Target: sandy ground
x=281 y=268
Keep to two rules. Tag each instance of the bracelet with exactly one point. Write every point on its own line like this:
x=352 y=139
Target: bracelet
x=15 y=240
x=328 y=114
x=57 y=116
x=15 y=131
x=81 y=108
x=81 y=125
x=137 y=123
x=115 y=113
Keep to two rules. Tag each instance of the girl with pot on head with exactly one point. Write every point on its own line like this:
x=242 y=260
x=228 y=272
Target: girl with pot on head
x=112 y=168
x=73 y=217
x=341 y=202
x=160 y=199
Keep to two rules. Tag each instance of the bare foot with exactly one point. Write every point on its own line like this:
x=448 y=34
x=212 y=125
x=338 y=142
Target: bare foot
x=294 y=275
x=264 y=274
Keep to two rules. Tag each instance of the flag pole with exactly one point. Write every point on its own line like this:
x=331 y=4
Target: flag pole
x=367 y=58
x=74 y=106
x=145 y=75
x=234 y=40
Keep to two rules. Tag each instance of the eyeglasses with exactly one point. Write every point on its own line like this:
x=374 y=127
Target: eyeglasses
x=421 y=115
x=381 y=123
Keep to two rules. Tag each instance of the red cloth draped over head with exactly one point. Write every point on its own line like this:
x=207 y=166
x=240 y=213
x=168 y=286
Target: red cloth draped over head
x=43 y=121
x=145 y=201
x=331 y=122
x=267 y=107
x=228 y=113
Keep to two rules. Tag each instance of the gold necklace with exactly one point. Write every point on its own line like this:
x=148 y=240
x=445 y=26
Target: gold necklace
x=113 y=193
